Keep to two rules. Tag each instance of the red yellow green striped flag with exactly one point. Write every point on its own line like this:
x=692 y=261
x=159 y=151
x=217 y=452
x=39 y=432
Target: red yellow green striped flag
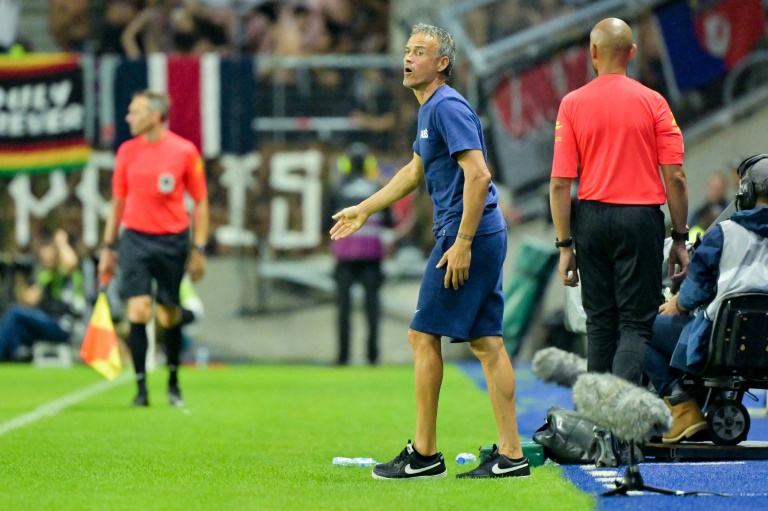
x=42 y=114
x=99 y=348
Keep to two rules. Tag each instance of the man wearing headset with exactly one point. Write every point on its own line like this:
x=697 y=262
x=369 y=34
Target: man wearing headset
x=732 y=258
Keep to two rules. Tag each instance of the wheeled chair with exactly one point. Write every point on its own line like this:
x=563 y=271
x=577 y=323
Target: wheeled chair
x=737 y=361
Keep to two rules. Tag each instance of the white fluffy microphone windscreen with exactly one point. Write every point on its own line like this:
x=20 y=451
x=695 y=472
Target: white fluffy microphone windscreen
x=628 y=411
x=553 y=365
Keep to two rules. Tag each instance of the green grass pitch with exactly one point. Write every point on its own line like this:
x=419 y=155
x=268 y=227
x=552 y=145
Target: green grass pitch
x=250 y=438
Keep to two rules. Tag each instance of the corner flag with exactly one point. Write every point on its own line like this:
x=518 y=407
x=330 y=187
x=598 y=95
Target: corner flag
x=99 y=348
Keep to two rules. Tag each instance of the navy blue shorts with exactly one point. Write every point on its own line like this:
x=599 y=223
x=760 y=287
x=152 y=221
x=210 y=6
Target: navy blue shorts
x=144 y=258
x=476 y=308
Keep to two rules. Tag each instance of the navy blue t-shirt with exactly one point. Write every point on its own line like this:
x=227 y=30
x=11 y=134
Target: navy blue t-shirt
x=448 y=125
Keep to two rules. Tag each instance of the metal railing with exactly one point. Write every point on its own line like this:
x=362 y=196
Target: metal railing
x=539 y=40
x=283 y=115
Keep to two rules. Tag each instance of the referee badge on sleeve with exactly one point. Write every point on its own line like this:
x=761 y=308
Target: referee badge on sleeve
x=166 y=183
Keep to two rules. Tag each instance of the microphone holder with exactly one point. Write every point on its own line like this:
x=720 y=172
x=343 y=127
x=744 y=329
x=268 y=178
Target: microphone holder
x=633 y=481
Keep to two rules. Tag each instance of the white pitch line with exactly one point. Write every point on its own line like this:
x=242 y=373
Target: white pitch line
x=696 y=463
x=54 y=407
x=604 y=472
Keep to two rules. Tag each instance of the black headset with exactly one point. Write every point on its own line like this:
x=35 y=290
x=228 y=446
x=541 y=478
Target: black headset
x=746 y=197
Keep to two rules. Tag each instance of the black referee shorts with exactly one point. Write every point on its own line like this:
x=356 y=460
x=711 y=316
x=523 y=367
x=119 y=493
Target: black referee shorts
x=146 y=257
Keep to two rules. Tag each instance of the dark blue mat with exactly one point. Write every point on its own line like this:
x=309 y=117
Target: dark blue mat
x=746 y=481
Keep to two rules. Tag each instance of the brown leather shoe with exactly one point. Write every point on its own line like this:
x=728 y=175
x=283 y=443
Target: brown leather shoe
x=687 y=420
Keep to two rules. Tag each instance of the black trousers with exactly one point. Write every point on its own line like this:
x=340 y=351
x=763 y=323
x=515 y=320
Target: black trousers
x=619 y=254
x=368 y=273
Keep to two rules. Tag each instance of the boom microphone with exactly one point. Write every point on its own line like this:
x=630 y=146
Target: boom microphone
x=628 y=411
x=553 y=365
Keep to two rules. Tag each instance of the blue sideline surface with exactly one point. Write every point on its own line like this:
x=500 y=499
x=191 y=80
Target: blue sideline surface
x=745 y=481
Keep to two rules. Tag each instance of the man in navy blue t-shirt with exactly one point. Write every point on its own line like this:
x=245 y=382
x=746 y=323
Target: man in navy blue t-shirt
x=450 y=158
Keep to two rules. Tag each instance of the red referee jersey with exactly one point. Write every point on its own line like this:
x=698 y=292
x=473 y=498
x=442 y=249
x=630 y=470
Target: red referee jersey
x=619 y=132
x=152 y=178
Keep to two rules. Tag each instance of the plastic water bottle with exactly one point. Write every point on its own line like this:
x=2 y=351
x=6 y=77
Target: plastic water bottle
x=340 y=461
x=202 y=356
x=465 y=457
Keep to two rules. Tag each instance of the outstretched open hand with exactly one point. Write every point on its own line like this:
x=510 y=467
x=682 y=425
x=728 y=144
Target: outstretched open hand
x=349 y=220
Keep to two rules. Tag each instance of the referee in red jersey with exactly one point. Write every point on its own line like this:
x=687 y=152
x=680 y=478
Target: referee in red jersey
x=613 y=134
x=153 y=171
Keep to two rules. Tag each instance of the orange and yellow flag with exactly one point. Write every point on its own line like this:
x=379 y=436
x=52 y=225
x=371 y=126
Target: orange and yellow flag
x=99 y=348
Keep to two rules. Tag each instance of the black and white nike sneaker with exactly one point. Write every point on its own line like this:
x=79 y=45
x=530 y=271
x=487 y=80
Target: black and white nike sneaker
x=498 y=465
x=409 y=464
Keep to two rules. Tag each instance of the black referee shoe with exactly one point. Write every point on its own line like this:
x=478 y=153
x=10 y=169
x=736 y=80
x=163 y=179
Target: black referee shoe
x=141 y=399
x=411 y=465
x=498 y=465
x=174 y=396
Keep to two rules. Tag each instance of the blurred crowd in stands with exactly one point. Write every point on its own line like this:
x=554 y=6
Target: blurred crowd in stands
x=504 y=18
x=299 y=27
x=276 y=27
x=373 y=100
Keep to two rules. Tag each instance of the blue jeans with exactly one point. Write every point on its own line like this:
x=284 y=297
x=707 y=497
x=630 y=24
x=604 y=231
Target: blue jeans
x=21 y=326
x=666 y=332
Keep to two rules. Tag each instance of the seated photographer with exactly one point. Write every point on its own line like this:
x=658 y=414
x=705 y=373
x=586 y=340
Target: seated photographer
x=732 y=258
x=46 y=308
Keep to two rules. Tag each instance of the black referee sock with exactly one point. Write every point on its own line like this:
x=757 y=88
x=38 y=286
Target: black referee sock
x=138 y=343
x=171 y=339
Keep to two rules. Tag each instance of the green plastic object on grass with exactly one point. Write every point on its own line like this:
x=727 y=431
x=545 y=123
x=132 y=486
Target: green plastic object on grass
x=531 y=450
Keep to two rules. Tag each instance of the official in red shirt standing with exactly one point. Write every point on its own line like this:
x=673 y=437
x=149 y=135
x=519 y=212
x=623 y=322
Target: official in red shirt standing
x=613 y=134
x=152 y=173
